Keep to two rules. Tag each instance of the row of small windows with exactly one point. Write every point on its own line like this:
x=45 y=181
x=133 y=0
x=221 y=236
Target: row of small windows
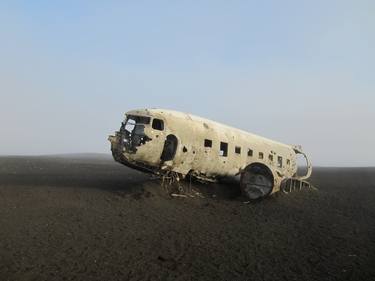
x=250 y=152
x=158 y=124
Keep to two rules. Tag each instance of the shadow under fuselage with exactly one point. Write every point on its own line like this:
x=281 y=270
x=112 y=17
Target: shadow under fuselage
x=97 y=173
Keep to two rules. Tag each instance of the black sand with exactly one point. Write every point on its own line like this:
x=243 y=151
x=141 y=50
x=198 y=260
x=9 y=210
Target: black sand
x=88 y=218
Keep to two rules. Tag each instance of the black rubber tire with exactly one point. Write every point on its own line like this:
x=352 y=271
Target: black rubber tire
x=256 y=183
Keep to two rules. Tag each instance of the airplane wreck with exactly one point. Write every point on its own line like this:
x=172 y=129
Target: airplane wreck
x=179 y=145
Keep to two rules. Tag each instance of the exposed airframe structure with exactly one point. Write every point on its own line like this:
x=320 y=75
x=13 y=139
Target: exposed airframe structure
x=165 y=142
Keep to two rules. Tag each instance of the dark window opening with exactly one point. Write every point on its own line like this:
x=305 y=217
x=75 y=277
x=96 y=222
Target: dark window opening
x=250 y=153
x=238 y=150
x=223 y=149
x=140 y=119
x=207 y=143
x=270 y=157
x=158 y=124
x=279 y=162
x=288 y=162
x=132 y=121
x=261 y=155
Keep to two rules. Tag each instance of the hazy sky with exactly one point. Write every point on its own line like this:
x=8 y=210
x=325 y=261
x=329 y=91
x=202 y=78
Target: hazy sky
x=300 y=72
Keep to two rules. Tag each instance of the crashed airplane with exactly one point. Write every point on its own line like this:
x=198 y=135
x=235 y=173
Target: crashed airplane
x=174 y=144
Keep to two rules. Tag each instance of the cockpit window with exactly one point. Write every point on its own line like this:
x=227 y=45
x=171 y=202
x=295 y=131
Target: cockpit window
x=133 y=121
x=133 y=132
x=130 y=125
x=140 y=119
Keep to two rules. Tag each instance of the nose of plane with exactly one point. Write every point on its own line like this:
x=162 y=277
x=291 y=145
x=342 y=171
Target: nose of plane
x=112 y=139
x=117 y=147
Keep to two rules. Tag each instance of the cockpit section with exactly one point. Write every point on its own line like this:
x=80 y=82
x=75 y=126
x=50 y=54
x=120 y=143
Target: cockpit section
x=133 y=134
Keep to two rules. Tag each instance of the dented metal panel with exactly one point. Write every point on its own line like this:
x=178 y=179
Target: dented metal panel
x=164 y=141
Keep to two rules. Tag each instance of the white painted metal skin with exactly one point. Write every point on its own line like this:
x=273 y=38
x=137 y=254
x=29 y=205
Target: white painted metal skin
x=195 y=158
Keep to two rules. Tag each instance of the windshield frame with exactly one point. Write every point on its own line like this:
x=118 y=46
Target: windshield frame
x=133 y=121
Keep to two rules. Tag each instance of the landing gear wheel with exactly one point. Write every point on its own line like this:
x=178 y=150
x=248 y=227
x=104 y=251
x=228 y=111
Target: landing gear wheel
x=256 y=183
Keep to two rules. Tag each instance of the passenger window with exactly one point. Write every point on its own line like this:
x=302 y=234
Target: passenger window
x=279 y=162
x=158 y=124
x=261 y=155
x=238 y=150
x=207 y=143
x=270 y=157
x=223 y=149
x=250 y=153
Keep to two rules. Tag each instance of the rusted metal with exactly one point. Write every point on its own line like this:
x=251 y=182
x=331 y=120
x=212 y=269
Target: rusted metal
x=174 y=145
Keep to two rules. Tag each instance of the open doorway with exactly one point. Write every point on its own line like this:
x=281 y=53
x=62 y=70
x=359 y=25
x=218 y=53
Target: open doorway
x=170 y=148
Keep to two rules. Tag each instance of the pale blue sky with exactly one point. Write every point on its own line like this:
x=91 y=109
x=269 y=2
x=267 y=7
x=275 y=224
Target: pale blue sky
x=300 y=72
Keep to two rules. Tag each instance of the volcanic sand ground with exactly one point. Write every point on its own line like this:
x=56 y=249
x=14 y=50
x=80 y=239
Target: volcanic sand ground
x=86 y=217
